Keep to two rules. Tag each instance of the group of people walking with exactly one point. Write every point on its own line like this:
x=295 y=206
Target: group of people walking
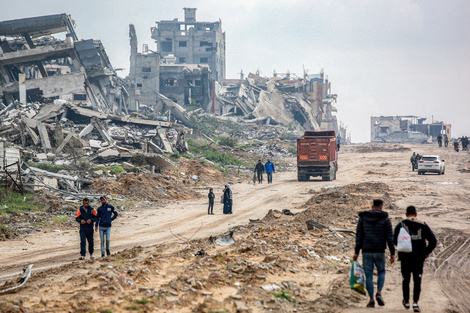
x=260 y=168
x=464 y=141
x=374 y=233
x=102 y=218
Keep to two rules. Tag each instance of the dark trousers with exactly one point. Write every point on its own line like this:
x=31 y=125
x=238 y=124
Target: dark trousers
x=270 y=177
x=415 y=267
x=210 y=209
x=260 y=177
x=86 y=234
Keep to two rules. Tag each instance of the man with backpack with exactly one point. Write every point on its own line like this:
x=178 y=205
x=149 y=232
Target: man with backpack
x=423 y=242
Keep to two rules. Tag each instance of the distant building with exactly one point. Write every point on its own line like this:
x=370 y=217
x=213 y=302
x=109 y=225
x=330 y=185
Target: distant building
x=186 y=84
x=192 y=42
x=144 y=76
x=403 y=129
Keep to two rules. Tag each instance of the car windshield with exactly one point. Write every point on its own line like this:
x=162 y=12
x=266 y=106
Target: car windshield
x=429 y=159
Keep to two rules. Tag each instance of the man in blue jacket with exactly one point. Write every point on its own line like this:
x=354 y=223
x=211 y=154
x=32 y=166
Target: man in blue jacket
x=86 y=217
x=106 y=214
x=269 y=168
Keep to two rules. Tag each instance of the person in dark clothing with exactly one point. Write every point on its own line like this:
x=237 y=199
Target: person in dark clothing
x=414 y=161
x=374 y=232
x=269 y=167
x=210 y=209
x=423 y=242
x=259 y=169
x=338 y=142
x=439 y=140
x=228 y=201
x=106 y=214
x=86 y=217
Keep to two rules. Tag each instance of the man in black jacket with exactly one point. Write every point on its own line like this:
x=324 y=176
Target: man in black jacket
x=412 y=262
x=259 y=169
x=86 y=216
x=374 y=232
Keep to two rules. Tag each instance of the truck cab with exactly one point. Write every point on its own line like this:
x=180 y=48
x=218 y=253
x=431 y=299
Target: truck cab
x=317 y=155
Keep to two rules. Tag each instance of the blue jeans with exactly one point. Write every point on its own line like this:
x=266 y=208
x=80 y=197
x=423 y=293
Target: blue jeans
x=105 y=232
x=270 y=177
x=369 y=260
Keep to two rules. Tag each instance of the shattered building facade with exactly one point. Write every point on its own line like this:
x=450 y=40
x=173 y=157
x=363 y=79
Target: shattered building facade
x=192 y=42
x=45 y=68
x=282 y=99
x=406 y=129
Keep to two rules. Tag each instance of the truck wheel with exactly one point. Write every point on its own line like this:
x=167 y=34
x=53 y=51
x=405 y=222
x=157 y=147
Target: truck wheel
x=301 y=177
x=326 y=178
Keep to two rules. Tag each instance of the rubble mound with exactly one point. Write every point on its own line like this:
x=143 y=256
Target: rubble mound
x=342 y=203
x=144 y=187
x=204 y=172
x=370 y=147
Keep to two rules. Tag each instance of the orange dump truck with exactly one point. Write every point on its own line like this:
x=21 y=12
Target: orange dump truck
x=317 y=155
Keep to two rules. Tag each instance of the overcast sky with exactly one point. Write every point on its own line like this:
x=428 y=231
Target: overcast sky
x=383 y=57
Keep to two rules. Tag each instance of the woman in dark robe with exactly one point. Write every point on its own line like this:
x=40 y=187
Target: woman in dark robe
x=227 y=199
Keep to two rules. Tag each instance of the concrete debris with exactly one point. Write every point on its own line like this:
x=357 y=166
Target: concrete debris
x=22 y=281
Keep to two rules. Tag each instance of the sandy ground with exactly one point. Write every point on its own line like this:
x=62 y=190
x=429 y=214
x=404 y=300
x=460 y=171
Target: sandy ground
x=442 y=201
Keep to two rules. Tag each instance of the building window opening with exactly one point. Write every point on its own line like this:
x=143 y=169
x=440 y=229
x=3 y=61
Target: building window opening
x=79 y=97
x=146 y=70
x=139 y=85
x=171 y=82
x=167 y=46
x=204 y=60
x=205 y=43
x=198 y=82
x=181 y=60
x=183 y=43
x=182 y=27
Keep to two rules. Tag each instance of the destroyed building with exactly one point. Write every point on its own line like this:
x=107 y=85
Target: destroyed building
x=34 y=66
x=406 y=129
x=62 y=103
x=282 y=99
x=152 y=76
x=192 y=42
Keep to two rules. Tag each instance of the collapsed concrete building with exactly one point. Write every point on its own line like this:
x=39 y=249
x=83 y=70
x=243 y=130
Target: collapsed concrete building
x=281 y=99
x=36 y=67
x=406 y=129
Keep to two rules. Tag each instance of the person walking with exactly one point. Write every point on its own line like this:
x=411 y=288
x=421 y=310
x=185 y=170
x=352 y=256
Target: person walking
x=259 y=169
x=423 y=242
x=269 y=167
x=439 y=140
x=228 y=200
x=86 y=217
x=374 y=232
x=414 y=161
x=446 y=141
x=338 y=142
x=210 y=209
x=106 y=214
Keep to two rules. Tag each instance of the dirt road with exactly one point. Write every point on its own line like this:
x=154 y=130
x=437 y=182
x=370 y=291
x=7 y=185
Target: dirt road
x=441 y=200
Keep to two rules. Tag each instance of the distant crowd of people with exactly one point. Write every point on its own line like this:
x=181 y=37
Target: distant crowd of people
x=461 y=141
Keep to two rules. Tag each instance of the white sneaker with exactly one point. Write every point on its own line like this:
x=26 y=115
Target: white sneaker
x=91 y=256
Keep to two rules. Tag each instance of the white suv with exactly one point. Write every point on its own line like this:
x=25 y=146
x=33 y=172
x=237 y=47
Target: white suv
x=431 y=163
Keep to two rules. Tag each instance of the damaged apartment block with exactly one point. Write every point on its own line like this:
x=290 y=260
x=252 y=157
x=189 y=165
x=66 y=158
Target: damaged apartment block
x=36 y=67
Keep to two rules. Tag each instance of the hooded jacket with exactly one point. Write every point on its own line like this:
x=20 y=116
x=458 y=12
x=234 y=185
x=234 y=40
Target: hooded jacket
x=106 y=214
x=420 y=234
x=374 y=232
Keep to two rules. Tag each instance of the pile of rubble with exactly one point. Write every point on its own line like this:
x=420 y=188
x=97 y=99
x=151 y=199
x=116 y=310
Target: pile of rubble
x=273 y=148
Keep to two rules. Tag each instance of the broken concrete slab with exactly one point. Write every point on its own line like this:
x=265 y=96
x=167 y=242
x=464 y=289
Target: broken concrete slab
x=46 y=144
